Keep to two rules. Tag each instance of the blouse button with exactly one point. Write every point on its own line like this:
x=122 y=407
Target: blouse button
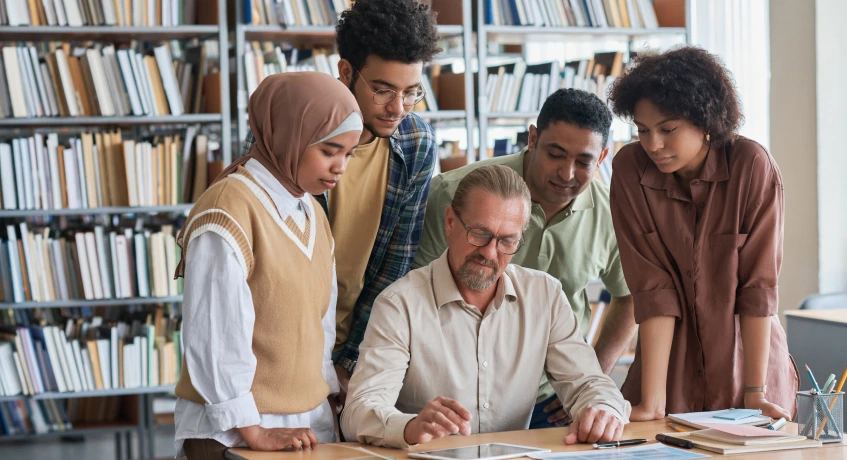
x=700 y=373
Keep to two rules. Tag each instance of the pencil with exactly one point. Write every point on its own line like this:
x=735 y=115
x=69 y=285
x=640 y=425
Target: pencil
x=832 y=404
x=676 y=428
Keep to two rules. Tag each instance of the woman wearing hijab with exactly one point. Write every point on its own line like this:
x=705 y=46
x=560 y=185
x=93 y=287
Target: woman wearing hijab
x=257 y=257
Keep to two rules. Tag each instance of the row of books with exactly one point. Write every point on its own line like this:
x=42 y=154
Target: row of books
x=90 y=264
x=572 y=13
x=90 y=355
x=262 y=59
x=99 y=80
x=78 y=13
x=524 y=88
x=100 y=170
x=294 y=12
x=28 y=416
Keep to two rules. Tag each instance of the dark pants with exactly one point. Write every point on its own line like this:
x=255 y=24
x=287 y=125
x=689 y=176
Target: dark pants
x=204 y=449
x=539 y=417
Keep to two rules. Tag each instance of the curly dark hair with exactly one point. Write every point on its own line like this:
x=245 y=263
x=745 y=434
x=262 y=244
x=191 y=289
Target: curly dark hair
x=576 y=107
x=686 y=82
x=394 y=30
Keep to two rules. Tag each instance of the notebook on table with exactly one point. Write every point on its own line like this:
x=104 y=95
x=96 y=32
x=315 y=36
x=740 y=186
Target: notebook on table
x=745 y=435
x=729 y=449
x=699 y=420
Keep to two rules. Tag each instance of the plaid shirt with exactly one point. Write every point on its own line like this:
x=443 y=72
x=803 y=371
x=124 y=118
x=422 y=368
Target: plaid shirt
x=413 y=153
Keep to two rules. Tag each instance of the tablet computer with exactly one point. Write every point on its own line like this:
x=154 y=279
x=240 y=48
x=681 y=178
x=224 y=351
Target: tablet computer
x=492 y=451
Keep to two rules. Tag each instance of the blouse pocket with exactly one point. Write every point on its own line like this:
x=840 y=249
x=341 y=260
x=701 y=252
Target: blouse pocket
x=723 y=261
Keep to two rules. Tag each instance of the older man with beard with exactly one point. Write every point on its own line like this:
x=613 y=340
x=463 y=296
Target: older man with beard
x=456 y=347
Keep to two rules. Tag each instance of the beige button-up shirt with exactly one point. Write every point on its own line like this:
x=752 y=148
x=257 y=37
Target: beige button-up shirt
x=424 y=341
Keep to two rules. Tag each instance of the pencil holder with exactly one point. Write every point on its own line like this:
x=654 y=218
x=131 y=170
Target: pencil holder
x=821 y=416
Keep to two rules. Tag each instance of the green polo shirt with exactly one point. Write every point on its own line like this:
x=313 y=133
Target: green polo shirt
x=577 y=246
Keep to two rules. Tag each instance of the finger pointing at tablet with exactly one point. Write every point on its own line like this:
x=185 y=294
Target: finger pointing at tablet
x=440 y=417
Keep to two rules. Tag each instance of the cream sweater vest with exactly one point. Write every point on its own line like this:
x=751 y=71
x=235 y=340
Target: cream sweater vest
x=289 y=272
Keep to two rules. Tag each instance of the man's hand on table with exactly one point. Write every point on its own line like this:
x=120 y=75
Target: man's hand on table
x=440 y=417
x=594 y=425
x=273 y=439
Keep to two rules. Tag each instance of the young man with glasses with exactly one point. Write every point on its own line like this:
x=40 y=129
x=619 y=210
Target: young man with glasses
x=376 y=212
x=457 y=346
x=570 y=234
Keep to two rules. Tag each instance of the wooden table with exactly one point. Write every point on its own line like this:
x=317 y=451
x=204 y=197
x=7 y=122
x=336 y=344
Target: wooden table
x=551 y=438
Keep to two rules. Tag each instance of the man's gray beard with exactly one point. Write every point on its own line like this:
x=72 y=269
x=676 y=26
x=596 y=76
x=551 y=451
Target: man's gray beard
x=474 y=278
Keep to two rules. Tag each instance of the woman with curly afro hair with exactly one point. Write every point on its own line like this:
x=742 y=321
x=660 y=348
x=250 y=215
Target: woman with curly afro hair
x=698 y=214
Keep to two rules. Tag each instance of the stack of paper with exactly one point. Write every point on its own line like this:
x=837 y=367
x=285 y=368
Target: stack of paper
x=700 y=420
x=745 y=435
x=733 y=439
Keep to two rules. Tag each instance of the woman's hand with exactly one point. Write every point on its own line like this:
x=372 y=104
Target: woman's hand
x=273 y=439
x=645 y=412
x=758 y=401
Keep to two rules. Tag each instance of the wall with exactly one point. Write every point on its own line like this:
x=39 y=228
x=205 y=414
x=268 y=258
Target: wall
x=793 y=135
x=831 y=38
x=737 y=31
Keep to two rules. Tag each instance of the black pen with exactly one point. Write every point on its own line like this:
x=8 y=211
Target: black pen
x=629 y=442
x=684 y=443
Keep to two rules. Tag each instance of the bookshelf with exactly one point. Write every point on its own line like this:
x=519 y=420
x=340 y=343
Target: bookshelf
x=159 y=389
x=324 y=36
x=117 y=33
x=203 y=118
x=124 y=210
x=488 y=34
x=90 y=303
x=143 y=428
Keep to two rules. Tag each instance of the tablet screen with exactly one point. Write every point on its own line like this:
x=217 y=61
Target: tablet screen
x=481 y=451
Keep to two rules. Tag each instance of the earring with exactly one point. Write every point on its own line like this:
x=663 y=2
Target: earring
x=708 y=137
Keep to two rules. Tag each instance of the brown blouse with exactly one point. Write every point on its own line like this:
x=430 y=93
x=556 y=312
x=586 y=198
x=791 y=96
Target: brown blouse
x=705 y=258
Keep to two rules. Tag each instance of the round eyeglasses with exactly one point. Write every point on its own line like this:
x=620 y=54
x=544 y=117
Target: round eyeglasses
x=385 y=96
x=508 y=245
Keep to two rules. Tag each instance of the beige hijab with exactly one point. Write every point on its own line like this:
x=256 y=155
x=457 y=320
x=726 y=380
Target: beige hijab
x=289 y=112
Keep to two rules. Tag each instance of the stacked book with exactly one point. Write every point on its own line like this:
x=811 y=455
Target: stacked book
x=294 y=12
x=100 y=170
x=265 y=58
x=524 y=88
x=729 y=439
x=82 y=355
x=92 y=264
x=89 y=355
x=572 y=13
x=28 y=416
x=78 y=13
x=100 y=80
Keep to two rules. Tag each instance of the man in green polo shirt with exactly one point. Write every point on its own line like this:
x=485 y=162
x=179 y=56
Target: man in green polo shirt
x=570 y=234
